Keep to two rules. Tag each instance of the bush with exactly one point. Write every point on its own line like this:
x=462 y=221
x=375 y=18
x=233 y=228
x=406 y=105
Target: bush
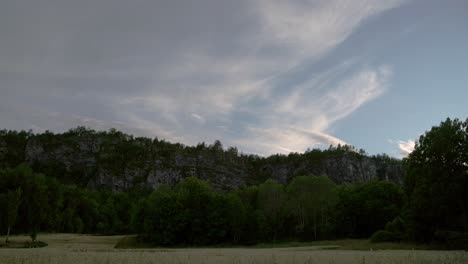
x=33 y=235
x=385 y=236
x=397 y=225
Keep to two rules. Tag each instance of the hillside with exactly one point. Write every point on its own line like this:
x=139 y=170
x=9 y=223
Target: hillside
x=117 y=161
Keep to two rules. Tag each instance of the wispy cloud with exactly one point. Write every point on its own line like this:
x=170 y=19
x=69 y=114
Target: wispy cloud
x=198 y=117
x=311 y=28
x=214 y=70
x=303 y=118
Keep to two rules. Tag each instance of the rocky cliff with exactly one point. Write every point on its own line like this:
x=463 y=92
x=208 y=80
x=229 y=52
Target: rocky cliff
x=120 y=162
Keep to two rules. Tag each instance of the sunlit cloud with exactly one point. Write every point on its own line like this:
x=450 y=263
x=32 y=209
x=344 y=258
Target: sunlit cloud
x=303 y=118
x=406 y=147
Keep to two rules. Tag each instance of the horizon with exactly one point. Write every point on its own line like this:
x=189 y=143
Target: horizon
x=266 y=77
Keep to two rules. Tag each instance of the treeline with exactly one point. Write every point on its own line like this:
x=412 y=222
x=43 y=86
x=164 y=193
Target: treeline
x=430 y=207
x=192 y=213
x=119 y=146
x=308 y=208
x=32 y=202
x=86 y=157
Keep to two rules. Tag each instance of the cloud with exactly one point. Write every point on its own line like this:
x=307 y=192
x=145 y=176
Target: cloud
x=402 y=147
x=350 y=94
x=285 y=140
x=190 y=72
x=406 y=147
x=198 y=117
x=301 y=120
x=314 y=27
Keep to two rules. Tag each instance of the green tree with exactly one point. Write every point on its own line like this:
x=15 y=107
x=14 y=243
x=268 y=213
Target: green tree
x=163 y=217
x=248 y=196
x=34 y=206
x=3 y=209
x=13 y=202
x=109 y=220
x=364 y=208
x=312 y=200
x=437 y=181
x=271 y=209
x=14 y=145
x=236 y=215
x=196 y=198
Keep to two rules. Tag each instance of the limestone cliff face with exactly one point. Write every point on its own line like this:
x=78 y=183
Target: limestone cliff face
x=96 y=162
x=120 y=162
x=342 y=168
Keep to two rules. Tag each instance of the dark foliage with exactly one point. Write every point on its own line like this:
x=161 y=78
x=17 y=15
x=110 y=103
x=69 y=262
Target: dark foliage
x=437 y=182
x=189 y=213
x=432 y=206
x=385 y=236
x=80 y=156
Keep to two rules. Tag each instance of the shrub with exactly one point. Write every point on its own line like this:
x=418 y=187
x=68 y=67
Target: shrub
x=397 y=225
x=385 y=236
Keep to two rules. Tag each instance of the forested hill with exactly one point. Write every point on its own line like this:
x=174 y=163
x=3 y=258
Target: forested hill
x=117 y=161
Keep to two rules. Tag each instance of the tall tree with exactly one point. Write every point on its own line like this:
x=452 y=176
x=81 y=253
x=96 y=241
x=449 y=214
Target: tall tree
x=197 y=199
x=237 y=216
x=313 y=200
x=13 y=202
x=271 y=204
x=163 y=217
x=364 y=208
x=437 y=181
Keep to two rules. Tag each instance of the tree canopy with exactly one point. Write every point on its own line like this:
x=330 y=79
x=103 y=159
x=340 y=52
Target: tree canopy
x=437 y=182
x=431 y=205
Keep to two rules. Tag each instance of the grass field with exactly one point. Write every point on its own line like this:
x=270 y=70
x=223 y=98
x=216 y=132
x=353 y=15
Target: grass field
x=70 y=248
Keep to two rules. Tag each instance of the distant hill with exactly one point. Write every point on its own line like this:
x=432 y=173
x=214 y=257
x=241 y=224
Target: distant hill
x=117 y=161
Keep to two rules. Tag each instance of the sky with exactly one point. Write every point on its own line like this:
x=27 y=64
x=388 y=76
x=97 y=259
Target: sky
x=265 y=76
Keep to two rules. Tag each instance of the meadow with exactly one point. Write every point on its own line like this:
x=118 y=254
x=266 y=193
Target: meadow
x=74 y=249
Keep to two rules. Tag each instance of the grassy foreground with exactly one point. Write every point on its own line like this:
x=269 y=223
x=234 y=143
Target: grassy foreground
x=74 y=249
x=130 y=242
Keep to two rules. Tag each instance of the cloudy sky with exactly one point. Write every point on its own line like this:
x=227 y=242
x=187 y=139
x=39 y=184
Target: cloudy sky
x=266 y=76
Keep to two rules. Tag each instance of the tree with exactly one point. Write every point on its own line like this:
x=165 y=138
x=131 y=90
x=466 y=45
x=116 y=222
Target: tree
x=14 y=145
x=195 y=197
x=13 y=202
x=236 y=215
x=248 y=196
x=163 y=218
x=364 y=208
x=437 y=182
x=312 y=200
x=300 y=196
x=35 y=202
x=217 y=146
x=271 y=205
x=34 y=205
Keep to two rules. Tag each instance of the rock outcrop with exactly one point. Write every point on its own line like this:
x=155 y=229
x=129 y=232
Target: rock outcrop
x=120 y=162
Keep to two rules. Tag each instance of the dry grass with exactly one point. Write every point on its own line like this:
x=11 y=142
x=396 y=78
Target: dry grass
x=71 y=249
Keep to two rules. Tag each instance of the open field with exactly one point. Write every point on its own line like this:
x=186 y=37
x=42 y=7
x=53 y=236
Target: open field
x=70 y=248
x=130 y=242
